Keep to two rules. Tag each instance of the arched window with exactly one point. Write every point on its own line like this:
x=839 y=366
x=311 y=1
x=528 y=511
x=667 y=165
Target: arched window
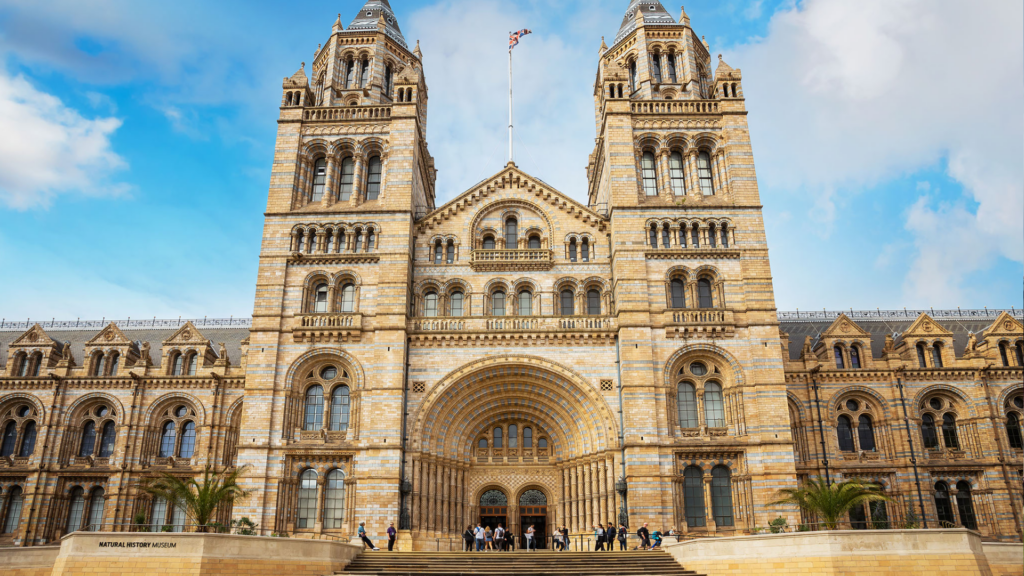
x=364 y=73
x=430 y=304
x=10 y=439
x=686 y=399
x=721 y=495
x=649 y=173
x=566 y=303
x=632 y=76
x=526 y=303
x=695 y=236
x=76 y=508
x=1019 y=349
x=88 y=439
x=329 y=247
x=593 y=302
x=488 y=242
x=98 y=363
x=334 y=500
x=107 y=438
x=387 y=79
x=373 y=174
x=456 y=303
x=704 y=293
x=348 y=298
x=188 y=440
x=725 y=235
x=300 y=240
x=482 y=443
x=542 y=442
x=513 y=436
x=707 y=186
x=307 y=499
x=37 y=364
x=714 y=412
x=928 y=433
x=112 y=364
x=319 y=180
x=666 y=237
x=350 y=75
x=22 y=363
x=965 y=506
x=1002 y=354
x=339 y=408
x=13 y=510
x=675 y=173
x=653 y=236
x=572 y=250
x=713 y=236
x=656 y=67
x=95 y=520
x=28 y=440
x=357 y=244
x=511 y=234
x=949 y=431
x=693 y=497
x=527 y=437
x=838 y=351
x=534 y=242
x=1013 y=431
x=678 y=294
x=320 y=298
x=191 y=362
x=920 y=355
x=438 y=252
x=937 y=355
x=844 y=432
x=585 y=250
x=855 y=357
x=942 y=505
x=671 y=68
x=497 y=438
x=167 y=437
x=866 y=433
x=314 y=419
x=450 y=252
x=498 y=303
x=158 y=514
x=348 y=174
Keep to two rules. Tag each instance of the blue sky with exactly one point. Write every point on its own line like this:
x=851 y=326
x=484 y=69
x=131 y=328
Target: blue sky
x=136 y=139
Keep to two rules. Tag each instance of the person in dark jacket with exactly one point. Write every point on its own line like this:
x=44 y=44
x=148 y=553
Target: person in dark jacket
x=645 y=537
x=565 y=538
x=622 y=536
x=609 y=534
x=392 y=536
x=467 y=539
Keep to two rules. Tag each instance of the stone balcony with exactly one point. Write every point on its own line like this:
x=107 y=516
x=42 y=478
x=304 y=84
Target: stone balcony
x=700 y=323
x=512 y=455
x=329 y=327
x=521 y=260
x=335 y=113
x=515 y=324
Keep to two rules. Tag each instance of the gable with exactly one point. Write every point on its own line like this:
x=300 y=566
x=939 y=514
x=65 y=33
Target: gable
x=926 y=327
x=1005 y=325
x=513 y=187
x=844 y=327
x=186 y=335
x=34 y=336
x=109 y=336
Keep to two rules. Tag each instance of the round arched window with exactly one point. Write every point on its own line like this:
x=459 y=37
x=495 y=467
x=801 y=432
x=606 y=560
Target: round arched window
x=935 y=403
x=698 y=369
x=23 y=411
x=181 y=411
x=329 y=373
x=102 y=411
x=852 y=405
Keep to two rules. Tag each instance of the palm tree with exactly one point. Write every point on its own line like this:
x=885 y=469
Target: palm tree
x=831 y=502
x=199 y=500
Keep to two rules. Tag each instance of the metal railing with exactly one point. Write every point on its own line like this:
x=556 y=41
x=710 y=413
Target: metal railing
x=216 y=528
x=128 y=324
x=878 y=314
x=550 y=543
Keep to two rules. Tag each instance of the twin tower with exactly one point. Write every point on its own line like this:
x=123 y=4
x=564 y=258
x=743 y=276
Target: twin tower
x=514 y=355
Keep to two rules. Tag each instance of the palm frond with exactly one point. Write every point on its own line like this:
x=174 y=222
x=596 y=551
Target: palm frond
x=200 y=501
x=831 y=502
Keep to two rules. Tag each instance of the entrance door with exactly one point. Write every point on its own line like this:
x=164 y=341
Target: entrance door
x=537 y=517
x=494 y=509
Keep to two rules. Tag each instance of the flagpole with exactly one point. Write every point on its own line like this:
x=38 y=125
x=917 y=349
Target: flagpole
x=510 y=104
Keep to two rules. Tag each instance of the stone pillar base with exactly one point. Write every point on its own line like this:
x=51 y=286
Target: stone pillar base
x=404 y=542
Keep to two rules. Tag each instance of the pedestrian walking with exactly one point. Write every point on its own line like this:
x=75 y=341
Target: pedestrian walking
x=656 y=536
x=565 y=538
x=598 y=537
x=645 y=537
x=609 y=536
x=478 y=534
x=467 y=539
x=392 y=536
x=622 y=536
x=488 y=538
x=362 y=536
x=499 y=538
x=530 y=544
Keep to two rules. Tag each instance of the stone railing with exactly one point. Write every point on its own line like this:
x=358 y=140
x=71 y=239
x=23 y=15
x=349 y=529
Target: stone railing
x=511 y=455
x=528 y=259
x=675 y=107
x=331 y=113
x=714 y=322
x=330 y=327
x=941 y=314
x=515 y=324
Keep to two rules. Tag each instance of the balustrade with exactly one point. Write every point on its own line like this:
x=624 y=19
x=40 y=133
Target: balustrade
x=331 y=113
x=330 y=327
x=675 y=107
x=715 y=322
x=515 y=323
x=527 y=259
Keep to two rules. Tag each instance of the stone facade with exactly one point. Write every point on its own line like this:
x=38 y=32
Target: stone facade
x=512 y=355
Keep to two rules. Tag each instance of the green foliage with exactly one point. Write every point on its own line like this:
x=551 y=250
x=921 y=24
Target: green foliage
x=911 y=521
x=140 y=522
x=803 y=528
x=167 y=528
x=831 y=502
x=778 y=525
x=244 y=526
x=199 y=500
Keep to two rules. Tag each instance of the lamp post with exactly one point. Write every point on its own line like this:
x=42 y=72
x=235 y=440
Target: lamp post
x=620 y=487
x=821 y=426
x=910 y=442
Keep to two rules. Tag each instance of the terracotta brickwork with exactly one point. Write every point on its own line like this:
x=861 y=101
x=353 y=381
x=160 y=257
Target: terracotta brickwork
x=513 y=354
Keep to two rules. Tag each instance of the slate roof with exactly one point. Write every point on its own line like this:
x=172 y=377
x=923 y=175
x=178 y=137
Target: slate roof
x=366 y=19
x=653 y=11
x=231 y=337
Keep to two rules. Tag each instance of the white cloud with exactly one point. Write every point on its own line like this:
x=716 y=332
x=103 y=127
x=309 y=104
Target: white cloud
x=851 y=94
x=47 y=148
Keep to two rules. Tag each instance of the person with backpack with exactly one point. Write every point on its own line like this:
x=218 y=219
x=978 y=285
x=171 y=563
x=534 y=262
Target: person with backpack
x=467 y=539
x=656 y=536
x=478 y=534
x=499 y=538
x=645 y=537
x=622 y=536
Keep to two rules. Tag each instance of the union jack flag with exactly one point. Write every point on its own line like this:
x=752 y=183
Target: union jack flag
x=513 y=38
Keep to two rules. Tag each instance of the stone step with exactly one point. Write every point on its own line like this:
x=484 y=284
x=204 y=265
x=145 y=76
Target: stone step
x=541 y=563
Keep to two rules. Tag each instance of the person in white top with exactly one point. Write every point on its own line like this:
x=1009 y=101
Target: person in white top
x=530 y=545
x=479 y=533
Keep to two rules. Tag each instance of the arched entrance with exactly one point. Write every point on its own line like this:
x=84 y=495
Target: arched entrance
x=533 y=511
x=494 y=508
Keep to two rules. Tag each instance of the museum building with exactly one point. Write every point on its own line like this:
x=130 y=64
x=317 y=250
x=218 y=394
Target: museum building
x=513 y=355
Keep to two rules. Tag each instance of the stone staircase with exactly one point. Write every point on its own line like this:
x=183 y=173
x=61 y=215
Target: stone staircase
x=540 y=563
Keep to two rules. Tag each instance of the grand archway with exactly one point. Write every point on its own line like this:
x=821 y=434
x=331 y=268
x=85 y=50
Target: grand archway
x=527 y=427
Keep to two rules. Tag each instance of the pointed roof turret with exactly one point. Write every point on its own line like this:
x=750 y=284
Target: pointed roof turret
x=367 y=17
x=337 y=25
x=723 y=68
x=651 y=11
